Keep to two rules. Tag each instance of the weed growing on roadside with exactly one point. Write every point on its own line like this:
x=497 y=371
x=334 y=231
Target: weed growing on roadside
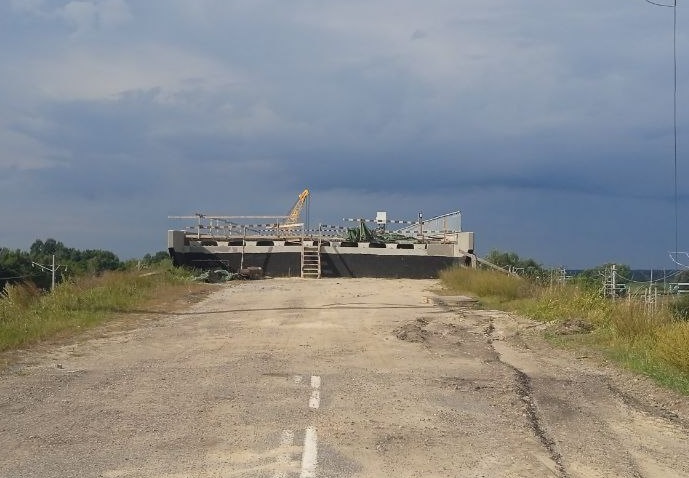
x=28 y=315
x=566 y=303
x=671 y=345
x=485 y=283
x=653 y=341
x=680 y=307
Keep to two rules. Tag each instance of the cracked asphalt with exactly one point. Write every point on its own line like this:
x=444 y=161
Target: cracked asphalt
x=332 y=378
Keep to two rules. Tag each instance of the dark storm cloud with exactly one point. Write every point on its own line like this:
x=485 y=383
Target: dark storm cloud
x=517 y=113
x=95 y=127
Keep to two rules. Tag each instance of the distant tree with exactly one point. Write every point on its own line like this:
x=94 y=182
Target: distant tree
x=42 y=251
x=51 y=246
x=512 y=261
x=97 y=261
x=593 y=278
x=161 y=256
x=15 y=266
x=156 y=258
x=36 y=248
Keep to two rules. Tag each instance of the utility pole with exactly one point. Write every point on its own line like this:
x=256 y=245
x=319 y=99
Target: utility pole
x=610 y=281
x=52 y=269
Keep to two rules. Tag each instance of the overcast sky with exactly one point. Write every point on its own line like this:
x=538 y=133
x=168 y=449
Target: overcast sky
x=547 y=123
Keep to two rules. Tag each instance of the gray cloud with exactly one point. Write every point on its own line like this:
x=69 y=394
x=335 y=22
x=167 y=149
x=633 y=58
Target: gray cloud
x=138 y=110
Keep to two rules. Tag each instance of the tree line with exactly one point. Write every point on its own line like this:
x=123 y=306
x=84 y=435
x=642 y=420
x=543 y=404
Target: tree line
x=17 y=265
x=590 y=278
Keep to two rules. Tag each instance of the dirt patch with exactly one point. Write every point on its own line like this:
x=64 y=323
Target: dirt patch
x=454 y=301
x=572 y=327
x=431 y=332
x=413 y=332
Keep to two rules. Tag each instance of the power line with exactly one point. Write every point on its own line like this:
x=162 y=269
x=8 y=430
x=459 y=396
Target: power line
x=674 y=107
x=18 y=277
x=52 y=269
x=666 y=276
x=673 y=255
x=661 y=4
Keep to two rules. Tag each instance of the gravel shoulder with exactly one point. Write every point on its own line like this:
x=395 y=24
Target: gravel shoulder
x=337 y=378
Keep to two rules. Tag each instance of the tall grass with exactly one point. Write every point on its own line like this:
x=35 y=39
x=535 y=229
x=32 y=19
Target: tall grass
x=485 y=284
x=28 y=315
x=566 y=303
x=672 y=342
x=650 y=340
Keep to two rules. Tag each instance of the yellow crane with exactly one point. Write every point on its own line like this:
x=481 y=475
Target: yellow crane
x=295 y=212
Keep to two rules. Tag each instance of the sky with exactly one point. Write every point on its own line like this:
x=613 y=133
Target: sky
x=549 y=124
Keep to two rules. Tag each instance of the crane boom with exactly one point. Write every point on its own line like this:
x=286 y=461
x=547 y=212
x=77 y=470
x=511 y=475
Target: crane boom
x=293 y=215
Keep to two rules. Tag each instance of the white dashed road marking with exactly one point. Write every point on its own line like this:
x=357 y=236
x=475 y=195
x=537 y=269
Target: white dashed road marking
x=315 y=381
x=309 y=458
x=315 y=400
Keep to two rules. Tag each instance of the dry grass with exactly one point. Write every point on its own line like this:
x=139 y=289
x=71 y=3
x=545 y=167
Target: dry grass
x=28 y=316
x=671 y=344
x=566 y=303
x=485 y=284
x=631 y=321
x=20 y=296
x=653 y=341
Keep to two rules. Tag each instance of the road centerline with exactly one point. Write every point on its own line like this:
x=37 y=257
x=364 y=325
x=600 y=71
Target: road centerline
x=315 y=400
x=309 y=458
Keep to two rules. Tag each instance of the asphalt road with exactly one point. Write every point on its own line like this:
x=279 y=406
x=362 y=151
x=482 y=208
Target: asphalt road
x=332 y=378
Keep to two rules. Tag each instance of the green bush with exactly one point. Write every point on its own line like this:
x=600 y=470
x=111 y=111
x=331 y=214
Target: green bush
x=511 y=261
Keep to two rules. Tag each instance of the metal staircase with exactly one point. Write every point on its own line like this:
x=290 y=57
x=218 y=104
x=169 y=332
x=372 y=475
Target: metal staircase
x=311 y=260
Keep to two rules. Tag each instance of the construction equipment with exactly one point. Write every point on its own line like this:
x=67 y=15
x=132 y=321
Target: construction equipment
x=295 y=212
